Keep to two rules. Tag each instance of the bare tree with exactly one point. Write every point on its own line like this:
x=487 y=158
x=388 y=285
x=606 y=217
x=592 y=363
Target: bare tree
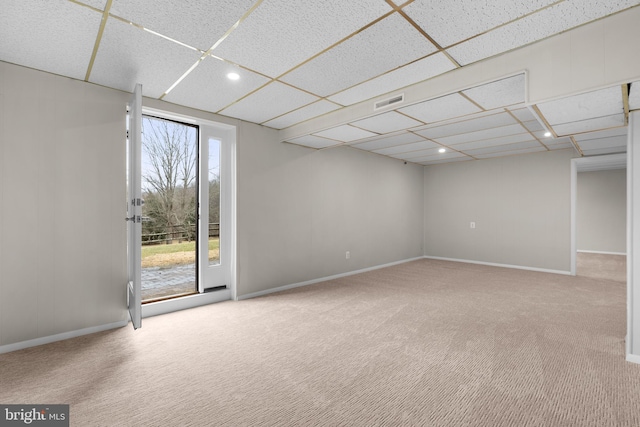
x=170 y=174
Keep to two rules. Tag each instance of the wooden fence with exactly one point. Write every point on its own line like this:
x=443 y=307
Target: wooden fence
x=180 y=233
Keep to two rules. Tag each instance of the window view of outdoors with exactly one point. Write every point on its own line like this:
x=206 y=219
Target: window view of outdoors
x=169 y=190
x=214 y=202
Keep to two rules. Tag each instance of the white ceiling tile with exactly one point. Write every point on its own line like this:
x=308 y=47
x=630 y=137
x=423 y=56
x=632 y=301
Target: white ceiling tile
x=503 y=148
x=496 y=132
x=449 y=21
x=443 y=108
x=292 y=31
x=523 y=114
x=406 y=148
x=302 y=114
x=589 y=125
x=540 y=135
x=197 y=92
x=599 y=103
x=345 y=133
x=511 y=152
x=55 y=36
x=634 y=96
x=438 y=156
x=554 y=142
x=600 y=143
x=128 y=55
x=98 y=4
x=602 y=151
x=562 y=146
x=388 y=44
x=441 y=161
x=394 y=80
x=387 y=122
x=545 y=23
x=609 y=133
x=500 y=93
x=495 y=141
x=534 y=126
x=388 y=141
x=470 y=125
x=314 y=141
x=271 y=101
x=197 y=23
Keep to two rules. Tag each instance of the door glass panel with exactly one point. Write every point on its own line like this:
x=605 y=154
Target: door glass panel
x=214 y=201
x=169 y=190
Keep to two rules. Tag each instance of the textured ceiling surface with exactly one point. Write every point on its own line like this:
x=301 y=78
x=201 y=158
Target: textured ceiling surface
x=298 y=60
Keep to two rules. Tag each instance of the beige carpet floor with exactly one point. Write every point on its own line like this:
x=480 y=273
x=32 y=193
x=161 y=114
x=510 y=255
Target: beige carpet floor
x=602 y=266
x=426 y=343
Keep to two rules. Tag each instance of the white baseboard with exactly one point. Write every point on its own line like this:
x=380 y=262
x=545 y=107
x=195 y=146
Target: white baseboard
x=322 y=279
x=492 y=264
x=633 y=358
x=183 y=303
x=601 y=252
x=59 y=337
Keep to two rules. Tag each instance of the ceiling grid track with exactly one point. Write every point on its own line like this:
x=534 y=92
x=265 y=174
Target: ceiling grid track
x=96 y=46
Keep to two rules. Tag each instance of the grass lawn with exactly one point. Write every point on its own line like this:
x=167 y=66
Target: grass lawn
x=164 y=255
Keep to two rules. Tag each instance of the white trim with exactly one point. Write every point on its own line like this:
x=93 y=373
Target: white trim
x=600 y=252
x=183 y=303
x=322 y=279
x=574 y=208
x=493 y=264
x=633 y=358
x=60 y=337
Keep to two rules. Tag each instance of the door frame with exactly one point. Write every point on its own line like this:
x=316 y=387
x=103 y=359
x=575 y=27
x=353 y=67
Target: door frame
x=588 y=164
x=228 y=132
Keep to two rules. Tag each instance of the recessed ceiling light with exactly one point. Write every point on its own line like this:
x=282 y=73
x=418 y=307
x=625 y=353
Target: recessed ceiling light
x=233 y=76
x=442 y=150
x=547 y=134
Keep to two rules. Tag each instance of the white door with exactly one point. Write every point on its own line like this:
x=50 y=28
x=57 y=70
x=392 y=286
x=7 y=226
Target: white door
x=134 y=206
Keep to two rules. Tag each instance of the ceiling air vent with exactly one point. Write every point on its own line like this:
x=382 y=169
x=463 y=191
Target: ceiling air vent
x=388 y=102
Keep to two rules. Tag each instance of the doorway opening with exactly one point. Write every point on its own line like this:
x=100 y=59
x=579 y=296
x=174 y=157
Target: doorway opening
x=169 y=172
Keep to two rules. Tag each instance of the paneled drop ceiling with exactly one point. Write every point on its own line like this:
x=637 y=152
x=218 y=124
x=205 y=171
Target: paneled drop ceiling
x=298 y=60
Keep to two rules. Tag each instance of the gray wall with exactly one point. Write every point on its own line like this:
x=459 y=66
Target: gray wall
x=300 y=210
x=62 y=206
x=601 y=211
x=520 y=204
x=62 y=181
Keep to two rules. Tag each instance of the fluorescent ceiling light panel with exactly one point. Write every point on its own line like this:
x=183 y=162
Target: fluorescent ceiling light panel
x=388 y=141
x=269 y=102
x=634 y=96
x=128 y=55
x=468 y=125
x=197 y=91
x=295 y=30
x=387 y=122
x=451 y=22
x=314 y=141
x=590 y=105
x=406 y=148
x=443 y=108
x=55 y=36
x=382 y=47
x=345 y=133
x=312 y=110
x=589 y=125
x=542 y=24
x=407 y=75
x=197 y=24
x=479 y=135
x=501 y=93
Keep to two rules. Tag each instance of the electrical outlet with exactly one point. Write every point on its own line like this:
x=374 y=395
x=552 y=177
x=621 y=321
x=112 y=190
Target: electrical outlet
x=347 y=255
x=472 y=224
